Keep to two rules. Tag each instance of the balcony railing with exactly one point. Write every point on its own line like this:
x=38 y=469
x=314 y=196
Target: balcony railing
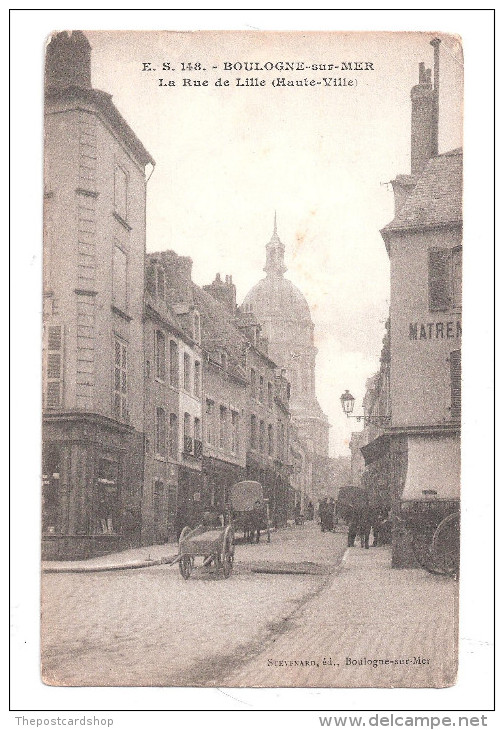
x=188 y=445
x=198 y=449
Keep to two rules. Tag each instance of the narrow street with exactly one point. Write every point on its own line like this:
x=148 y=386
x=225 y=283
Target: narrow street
x=150 y=627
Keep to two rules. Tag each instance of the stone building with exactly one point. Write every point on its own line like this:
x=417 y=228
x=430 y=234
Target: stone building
x=169 y=277
x=424 y=243
x=93 y=356
x=225 y=398
x=266 y=415
x=285 y=319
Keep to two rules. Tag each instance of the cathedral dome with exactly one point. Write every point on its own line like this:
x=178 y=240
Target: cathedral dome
x=274 y=296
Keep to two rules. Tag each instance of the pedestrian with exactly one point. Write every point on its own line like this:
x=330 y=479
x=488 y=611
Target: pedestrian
x=353 y=528
x=365 y=523
x=331 y=509
x=323 y=510
x=310 y=511
x=257 y=520
x=184 y=517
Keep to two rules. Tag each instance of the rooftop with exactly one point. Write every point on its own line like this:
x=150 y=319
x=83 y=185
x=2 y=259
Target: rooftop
x=436 y=199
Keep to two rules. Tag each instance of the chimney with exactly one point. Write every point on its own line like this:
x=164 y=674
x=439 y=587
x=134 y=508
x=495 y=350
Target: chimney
x=178 y=271
x=422 y=116
x=68 y=60
x=224 y=292
x=435 y=42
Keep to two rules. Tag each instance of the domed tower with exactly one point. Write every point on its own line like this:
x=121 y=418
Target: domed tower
x=285 y=319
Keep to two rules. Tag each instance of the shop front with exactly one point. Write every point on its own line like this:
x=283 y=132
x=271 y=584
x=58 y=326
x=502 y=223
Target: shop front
x=92 y=475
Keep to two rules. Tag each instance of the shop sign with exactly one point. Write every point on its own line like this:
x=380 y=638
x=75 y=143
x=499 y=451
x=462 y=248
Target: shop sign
x=435 y=330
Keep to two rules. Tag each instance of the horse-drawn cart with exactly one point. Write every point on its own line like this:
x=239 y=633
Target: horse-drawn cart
x=214 y=544
x=249 y=509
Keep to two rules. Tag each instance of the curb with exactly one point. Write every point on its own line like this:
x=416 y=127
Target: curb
x=104 y=568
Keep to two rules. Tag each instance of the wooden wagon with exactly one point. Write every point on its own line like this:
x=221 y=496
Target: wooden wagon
x=214 y=544
x=249 y=508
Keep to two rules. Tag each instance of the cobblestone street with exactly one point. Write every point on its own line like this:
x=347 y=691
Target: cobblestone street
x=149 y=627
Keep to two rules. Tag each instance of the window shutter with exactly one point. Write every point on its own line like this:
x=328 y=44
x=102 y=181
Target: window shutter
x=54 y=367
x=456 y=383
x=439 y=279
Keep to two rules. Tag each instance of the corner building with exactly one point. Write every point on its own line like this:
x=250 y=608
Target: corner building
x=424 y=243
x=94 y=248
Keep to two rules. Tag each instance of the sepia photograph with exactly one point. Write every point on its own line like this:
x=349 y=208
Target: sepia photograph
x=252 y=328
x=252 y=469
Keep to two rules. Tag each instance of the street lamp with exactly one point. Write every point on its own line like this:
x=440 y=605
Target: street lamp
x=347 y=404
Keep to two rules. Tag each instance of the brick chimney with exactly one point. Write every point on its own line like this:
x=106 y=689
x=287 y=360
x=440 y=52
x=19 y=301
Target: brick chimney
x=424 y=128
x=178 y=271
x=68 y=60
x=422 y=107
x=224 y=292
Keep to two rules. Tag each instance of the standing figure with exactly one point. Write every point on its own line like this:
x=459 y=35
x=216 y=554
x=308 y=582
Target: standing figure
x=365 y=523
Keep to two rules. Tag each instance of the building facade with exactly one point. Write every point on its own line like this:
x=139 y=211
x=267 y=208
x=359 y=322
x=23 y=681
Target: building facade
x=93 y=362
x=424 y=243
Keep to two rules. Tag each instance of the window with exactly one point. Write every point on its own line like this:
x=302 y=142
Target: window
x=119 y=278
x=445 y=278
x=209 y=411
x=235 y=434
x=120 y=192
x=160 y=282
x=222 y=427
x=261 y=436
x=261 y=389
x=456 y=384
x=252 y=383
x=120 y=381
x=270 y=395
x=174 y=366
x=187 y=372
x=54 y=367
x=160 y=432
x=457 y=277
x=253 y=431
x=197 y=379
x=198 y=450
x=160 y=354
x=173 y=435
x=188 y=446
x=270 y=440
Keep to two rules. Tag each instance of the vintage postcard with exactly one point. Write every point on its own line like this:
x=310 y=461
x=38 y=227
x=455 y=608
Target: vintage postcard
x=252 y=312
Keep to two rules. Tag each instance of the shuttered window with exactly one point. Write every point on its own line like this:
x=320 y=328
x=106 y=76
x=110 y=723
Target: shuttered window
x=439 y=279
x=120 y=381
x=54 y=367
x=160 y=354
x=456 y=383
x=160 y=432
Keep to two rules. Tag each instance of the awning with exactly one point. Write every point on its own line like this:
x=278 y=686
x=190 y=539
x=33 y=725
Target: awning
x=433 y=468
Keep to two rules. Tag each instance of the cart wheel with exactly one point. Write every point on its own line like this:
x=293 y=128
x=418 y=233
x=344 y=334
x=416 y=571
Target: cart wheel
x=421 y=543
x=186 y=563
x=227 y=557
x=446 y=544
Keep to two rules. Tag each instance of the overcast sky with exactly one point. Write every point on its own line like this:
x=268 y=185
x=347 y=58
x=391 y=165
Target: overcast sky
x=228 y=157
